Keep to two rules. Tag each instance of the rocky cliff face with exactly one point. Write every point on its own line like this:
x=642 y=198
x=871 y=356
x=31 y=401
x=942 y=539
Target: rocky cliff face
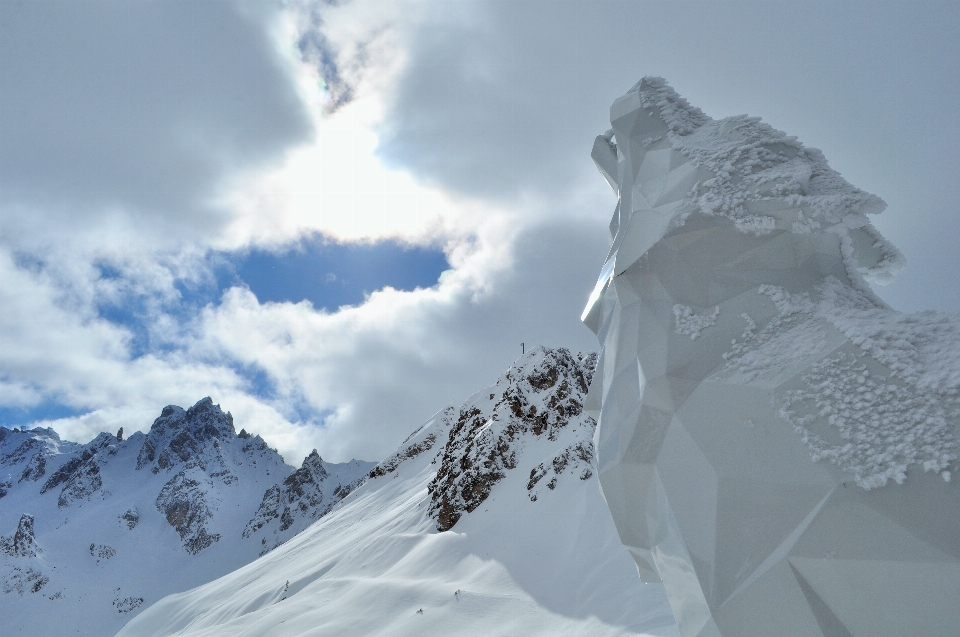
x=20 y=570
x=535 y=409
x=25 y=454
x=201 y=446
x=302 y=498
x=539 y=398
x=22 y=543
x=79 y=477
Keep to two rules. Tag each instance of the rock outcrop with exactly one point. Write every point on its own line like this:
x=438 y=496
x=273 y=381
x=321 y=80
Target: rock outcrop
x=303 y=497
x=20 y=570
x=540 y=396
x=22 y=543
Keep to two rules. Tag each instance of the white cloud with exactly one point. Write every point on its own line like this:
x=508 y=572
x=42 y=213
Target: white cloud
x=383 y=367
x=468 y=125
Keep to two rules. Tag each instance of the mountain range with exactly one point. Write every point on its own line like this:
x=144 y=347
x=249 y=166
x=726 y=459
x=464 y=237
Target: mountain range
x=100 y=531
x=487 y=520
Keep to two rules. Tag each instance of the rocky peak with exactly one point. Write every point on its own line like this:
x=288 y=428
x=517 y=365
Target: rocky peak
x=541 y=395
x=179 y=435
x=22 y=543
x=312 y=464
x=80 y=474
x=17 y=445
x=304 y=496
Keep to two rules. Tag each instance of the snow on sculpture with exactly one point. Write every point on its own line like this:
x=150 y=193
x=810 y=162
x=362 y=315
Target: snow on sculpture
x=775 y=443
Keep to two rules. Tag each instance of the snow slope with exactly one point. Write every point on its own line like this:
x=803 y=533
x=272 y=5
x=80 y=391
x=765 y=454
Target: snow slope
x=531 y=548
x=115 y=525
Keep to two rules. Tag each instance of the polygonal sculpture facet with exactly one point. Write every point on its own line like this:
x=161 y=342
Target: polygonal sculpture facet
x=775 y=444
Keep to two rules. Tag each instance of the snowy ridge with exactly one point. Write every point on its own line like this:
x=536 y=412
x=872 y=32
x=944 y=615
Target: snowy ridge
x=116 y=524
x=530 y=549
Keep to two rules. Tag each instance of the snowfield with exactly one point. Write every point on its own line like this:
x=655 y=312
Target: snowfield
x=531 y=557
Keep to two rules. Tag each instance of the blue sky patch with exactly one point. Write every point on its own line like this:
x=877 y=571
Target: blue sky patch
x=11 y=417
x=331 y=275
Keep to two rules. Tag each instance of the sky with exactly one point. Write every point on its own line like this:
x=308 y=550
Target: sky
x=335 y=218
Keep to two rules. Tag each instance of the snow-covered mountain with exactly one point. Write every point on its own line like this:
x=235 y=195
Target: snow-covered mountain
x=486 y=521
x=92 y=534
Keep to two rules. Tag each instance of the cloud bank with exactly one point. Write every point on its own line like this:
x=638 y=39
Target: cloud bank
x=143 y=140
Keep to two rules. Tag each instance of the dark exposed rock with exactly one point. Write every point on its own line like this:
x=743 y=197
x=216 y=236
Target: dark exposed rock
x=22 y=543
x=61 y=475
x=120 y=435
x=5 y=485
x=179 y=435
x=183 y=502
x=22 y=580
x=102 y=552
x=127 y=604
x=299 y=491
x=80 y=475
x=297 y=484
x=82 y=484
x=20 y=454
x=35 y=469
x=130 y=517
x=269 y=509
x=304 y=496
x=411 y=451
x=147 y=454
x=576 y=457
x=481 y=446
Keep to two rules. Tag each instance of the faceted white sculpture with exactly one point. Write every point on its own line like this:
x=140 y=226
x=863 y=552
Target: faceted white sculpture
x=774 y=442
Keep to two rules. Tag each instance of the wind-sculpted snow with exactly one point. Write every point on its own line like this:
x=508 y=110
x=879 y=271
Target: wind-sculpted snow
x=520 y=559
x=775 y=443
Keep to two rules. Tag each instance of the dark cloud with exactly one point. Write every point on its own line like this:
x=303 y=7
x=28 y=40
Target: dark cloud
x=138 y=106
x=506 y=102
x=316 y=49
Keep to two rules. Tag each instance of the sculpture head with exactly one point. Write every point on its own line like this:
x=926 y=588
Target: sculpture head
x=669 y=163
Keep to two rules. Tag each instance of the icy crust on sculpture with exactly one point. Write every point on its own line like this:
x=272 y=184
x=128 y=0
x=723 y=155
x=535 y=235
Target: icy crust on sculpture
x=759 y=177
x=886 y=422
x=774 y=443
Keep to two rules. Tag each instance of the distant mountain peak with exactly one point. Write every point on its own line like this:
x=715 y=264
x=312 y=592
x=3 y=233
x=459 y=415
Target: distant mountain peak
x=179 y=435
